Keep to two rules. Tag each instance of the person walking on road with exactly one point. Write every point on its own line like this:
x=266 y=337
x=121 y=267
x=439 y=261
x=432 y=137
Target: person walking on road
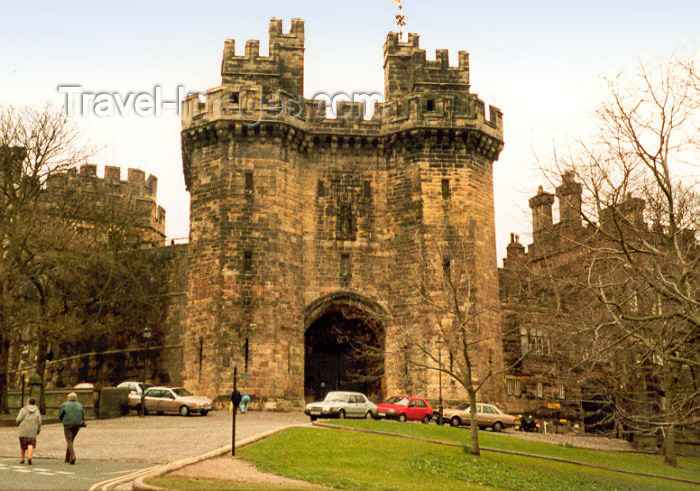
x=72 y=415
x=29 y=421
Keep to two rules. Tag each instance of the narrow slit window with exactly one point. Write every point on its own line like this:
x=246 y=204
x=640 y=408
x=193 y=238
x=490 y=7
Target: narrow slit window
x=249 y=181
x=248 y=261
x=246 y=354
x=445 y=188
x=430 y=106
x=320 y=189
x=367 y=190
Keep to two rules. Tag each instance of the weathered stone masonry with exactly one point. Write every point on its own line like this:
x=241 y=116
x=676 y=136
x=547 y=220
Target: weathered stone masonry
x=298 y=214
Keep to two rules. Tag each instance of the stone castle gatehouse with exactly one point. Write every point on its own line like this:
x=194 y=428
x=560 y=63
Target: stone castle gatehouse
x=303 y=226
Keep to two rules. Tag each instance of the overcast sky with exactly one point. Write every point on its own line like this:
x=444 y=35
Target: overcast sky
x=540 y=61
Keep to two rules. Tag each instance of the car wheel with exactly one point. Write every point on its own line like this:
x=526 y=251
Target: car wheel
x=184 y=411
x=426 y=419
x=341 y=414
x=160 y=413
x=204 y=413
x=313 y=418
x=497 y=427
x=369 y=415
x=455 y=421
x=402 y=417
x=145 y=412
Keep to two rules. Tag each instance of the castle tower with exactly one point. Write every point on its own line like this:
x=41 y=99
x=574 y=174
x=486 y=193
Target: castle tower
x=299 y=223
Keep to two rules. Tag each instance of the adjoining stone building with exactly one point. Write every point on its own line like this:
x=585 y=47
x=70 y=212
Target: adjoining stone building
x=299 y=222
x=538 y=381
x=74 y=212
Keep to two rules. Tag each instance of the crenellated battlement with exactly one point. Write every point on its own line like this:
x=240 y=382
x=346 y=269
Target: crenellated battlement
x=251 y=108
x=282 y=69
x=407 y=69
x=295 y=36
x=137 y=186
x=136 y=183
x=258 y=93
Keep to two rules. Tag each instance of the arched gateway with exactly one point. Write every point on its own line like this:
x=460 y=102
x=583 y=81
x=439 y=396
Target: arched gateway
x=344 y=340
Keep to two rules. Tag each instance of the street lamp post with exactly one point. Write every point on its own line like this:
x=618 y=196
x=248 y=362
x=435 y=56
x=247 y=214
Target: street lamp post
x=146 y=337
x=439 y=343
x=235 y=400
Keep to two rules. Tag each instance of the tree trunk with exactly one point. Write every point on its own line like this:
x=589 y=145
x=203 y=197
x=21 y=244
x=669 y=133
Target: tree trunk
x=4 y=354
x=474 y=426
x=40 y=367
x=4 y=363
x=670 y=457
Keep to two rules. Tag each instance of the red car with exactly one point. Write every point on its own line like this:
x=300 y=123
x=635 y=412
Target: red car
x=405 y=408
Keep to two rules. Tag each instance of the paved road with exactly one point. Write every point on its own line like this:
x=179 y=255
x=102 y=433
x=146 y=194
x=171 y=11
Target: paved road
x=53 y=474
x=108 y=448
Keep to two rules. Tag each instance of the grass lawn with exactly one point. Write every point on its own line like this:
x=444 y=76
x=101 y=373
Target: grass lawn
x=350 y=460
x=361 y=461
x=689 y=468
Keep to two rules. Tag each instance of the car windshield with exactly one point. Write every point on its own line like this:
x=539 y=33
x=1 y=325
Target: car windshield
x=336 y=397
x=464 y=407
x=144 y=386
x=398 y=401
x=181 y=392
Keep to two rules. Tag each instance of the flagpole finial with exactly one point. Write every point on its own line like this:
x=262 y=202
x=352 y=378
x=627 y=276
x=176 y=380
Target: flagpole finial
x=400 y=19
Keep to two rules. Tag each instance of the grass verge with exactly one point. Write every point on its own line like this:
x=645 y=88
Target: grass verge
x=361 y=461
x=689 y=468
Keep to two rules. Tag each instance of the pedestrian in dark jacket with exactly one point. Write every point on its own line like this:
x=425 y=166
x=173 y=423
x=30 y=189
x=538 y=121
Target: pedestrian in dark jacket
x=29 y=421
x=72 y=415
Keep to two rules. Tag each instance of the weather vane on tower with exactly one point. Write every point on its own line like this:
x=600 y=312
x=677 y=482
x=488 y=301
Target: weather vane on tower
x=400 y=19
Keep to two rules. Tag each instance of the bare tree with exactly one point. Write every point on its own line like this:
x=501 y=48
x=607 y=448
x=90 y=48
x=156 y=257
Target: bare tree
x=76 y=271
x=633 y=254
x=34 y=144
x=461 y=333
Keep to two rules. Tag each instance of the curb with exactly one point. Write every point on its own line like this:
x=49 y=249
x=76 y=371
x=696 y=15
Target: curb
x=140 y=485
x=509 y=452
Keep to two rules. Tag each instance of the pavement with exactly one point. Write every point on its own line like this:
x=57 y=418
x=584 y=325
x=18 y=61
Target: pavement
x=107 y=449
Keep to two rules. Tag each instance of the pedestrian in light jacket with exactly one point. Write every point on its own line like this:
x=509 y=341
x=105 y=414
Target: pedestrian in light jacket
x=29 y=421
x=72 y=415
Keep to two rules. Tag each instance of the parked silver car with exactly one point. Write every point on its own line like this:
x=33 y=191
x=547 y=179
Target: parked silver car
x=171 y=400
x=342 y=405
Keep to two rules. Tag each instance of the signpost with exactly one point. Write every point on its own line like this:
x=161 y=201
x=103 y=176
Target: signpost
x=235 y=401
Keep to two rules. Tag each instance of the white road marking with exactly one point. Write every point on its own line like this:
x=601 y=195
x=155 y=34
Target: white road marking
x=65 y=473
x=22 y=470
x=40 y=469
x=46 y=473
